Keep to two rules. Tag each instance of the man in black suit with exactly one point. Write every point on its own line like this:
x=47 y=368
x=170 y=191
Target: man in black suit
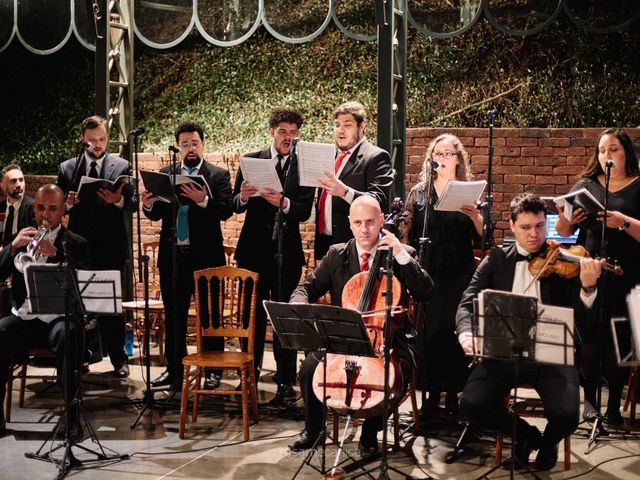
x=102 y=220
x=18 y=207
x=342 y=262
x=256 y=249
x=198 y=245
x=22 y=330
x=506 y=269
x=360 y=169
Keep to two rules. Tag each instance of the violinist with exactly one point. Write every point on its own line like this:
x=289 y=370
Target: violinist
x=342 y=262
x=623 y=244
x=507 y=269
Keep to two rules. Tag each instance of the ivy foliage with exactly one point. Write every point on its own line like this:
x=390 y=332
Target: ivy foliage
x=562 y=77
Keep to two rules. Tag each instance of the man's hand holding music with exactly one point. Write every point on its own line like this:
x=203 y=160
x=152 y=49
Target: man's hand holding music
x=148 y=199
x=273 y=197
x=333 y=185
x=107 y=196
x=468 y=343
x=72 y=199
x=194 y=192
x=246 y=191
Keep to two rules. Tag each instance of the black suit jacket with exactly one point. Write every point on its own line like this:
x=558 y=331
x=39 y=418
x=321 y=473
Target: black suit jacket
x=368 y=172
x=341 y=263
x=78 y=251
x=255 y=249
x=496 y=271
x=205 y=235
x=101 y=224
x=26 y=217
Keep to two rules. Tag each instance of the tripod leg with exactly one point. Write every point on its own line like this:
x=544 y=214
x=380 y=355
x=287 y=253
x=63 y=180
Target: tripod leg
x=450 y=458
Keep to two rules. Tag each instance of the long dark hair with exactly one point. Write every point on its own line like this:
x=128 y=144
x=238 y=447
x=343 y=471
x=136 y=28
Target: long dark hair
x=593 y=168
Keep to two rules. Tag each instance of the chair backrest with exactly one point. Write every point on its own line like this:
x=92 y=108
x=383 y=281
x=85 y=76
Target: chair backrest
x=226 y=300
x=229 y=253
x=151 y=250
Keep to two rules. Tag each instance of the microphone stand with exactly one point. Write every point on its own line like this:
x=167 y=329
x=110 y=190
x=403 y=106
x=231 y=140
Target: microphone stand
x=487 y=233
x=147 y=400
x=425 y=241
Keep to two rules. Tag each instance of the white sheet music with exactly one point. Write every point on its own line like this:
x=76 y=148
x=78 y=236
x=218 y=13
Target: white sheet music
x=554 y=335
x=101 y=290
x=458 y=193
x=313 y=160
x=261 y=173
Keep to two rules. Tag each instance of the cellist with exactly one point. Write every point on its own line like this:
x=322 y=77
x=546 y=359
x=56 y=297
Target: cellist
x=342 y=262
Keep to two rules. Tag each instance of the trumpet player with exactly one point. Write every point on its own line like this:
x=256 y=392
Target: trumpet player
x=21 y=329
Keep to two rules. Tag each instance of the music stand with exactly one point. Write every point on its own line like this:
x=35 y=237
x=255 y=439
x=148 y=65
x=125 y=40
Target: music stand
x=54 y=290
x=323 y=328
x=509 y=329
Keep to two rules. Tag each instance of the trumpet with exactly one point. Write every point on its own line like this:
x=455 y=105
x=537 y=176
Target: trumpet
x=24 y=259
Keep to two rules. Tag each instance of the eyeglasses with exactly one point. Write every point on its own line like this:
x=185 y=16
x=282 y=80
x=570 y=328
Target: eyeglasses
x=186 y=145
x=446 y=155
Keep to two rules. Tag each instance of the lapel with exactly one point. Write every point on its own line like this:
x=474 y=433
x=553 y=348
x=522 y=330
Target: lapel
x=354 y=262
x=108 y=165
x=354 y=159
x=80 y=170
x=509 y=267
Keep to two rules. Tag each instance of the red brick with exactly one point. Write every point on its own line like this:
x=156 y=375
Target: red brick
x=537 y=170
x=566 y=151
x=555 y=142
x=570 y=170
x=553 y=161
x=537 y=151
x=553 y=179
x=589 y=142
x=522 y=161
x=522 y=142
x=581 y=161
x=484 y=142
x=535 y=132
x=521 y=179
x=508 y=151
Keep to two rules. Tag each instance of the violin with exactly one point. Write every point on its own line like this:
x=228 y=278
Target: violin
x=564 y=262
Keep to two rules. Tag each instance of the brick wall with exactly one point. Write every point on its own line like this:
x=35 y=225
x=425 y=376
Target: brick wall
x=545 y=161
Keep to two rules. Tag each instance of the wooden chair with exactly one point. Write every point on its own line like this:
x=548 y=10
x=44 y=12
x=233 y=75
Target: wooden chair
x=632 y=392
x=225 y=307
x=229 y=253
x=156 y=310
x=18 y=370
x=530 y=407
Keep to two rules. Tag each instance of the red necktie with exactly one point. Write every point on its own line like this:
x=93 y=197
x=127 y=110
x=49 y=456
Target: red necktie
x=364 y=265
x=323 y=196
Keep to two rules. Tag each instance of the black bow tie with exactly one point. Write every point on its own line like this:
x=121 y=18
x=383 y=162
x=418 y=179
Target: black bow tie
x=523 y=258
x=540 y=253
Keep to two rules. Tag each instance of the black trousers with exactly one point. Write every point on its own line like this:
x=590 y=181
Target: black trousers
x=286 y=367
x=557 y=386
x=176 y=307
x=313 y=406
x=17 y=334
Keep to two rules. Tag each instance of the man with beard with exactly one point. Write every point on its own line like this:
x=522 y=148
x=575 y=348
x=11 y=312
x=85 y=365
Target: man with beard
x=256 y=248
x=101 y=220
x=18 y=207
x=360 y=168
x=198 y=245
x=21 y=329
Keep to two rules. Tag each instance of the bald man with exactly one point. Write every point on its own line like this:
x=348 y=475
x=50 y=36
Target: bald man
x=21 y=329
x=342 y=262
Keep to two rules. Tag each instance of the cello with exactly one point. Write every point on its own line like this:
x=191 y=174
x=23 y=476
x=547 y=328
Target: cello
x=355 y=384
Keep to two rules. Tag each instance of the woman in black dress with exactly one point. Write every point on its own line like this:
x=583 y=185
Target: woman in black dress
x=623 y=244
x=450 y=262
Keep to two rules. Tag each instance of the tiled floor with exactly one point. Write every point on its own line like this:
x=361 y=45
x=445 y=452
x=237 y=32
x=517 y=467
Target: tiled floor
x=214 y=448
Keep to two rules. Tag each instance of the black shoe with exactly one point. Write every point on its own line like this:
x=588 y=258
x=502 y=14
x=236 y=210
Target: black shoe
x=614 y=417
x=547 y=456
x=211 y=381
x=121 y=371
x=163 y=380
x=525 y=444
x=451 y=408
x=303 y=441
x=368 y=445
x=589 y=413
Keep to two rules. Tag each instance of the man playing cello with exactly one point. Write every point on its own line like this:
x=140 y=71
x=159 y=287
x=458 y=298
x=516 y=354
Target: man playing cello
x=342 y=262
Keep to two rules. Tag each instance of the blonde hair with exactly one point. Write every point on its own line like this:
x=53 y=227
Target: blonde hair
x=463 y=168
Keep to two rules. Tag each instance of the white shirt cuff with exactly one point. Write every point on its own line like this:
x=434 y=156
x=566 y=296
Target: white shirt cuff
x=402 y=257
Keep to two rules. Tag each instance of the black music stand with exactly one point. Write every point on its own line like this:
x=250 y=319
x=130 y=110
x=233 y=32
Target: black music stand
x=323 y=328
x=53 y=290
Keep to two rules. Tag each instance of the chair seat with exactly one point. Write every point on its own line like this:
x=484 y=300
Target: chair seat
x=218 y=359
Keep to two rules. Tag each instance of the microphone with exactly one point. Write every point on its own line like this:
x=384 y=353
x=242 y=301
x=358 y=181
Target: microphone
x=435 y=166
x=610 y=164
x=137 y=131
x=87 y=145
x=174 y=149
x=295 y=141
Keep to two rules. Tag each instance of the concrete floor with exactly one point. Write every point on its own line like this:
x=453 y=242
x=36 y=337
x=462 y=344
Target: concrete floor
x=214 y=447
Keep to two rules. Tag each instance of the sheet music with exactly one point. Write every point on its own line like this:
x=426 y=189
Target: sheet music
x=101 y=290
x=261 y=173
x=554 y=335
x=313 y=160
x=458 y=193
